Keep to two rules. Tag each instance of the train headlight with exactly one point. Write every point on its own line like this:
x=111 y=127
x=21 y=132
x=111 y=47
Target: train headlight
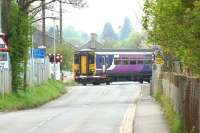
x=91 y=71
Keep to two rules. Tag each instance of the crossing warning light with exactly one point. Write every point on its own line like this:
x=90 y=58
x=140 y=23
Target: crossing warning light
x=57 y=58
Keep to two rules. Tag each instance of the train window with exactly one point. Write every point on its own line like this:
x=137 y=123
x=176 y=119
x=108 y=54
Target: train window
x=104 y=60
x=147 y=62
x=91 y=59
x=76 y=59
x=133 y=62
x=125 y=62
x=140 y=62
x=117 y=62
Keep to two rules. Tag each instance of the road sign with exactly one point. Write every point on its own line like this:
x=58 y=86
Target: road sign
x=4 y=59
x=39 y=53
x=159 y=61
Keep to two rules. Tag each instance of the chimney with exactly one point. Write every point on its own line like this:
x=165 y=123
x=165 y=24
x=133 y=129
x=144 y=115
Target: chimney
x=93 y=40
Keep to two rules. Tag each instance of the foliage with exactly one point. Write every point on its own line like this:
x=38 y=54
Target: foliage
x=126 y=29
x=75 y=37
x=108 y=33
x=174 y=24
x=32 y=97
x=67 y=52
x=174 y=120
x=19 y=31
x=134 y=40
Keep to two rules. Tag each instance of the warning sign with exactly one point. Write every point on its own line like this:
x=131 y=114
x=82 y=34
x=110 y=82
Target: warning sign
x=159 y=61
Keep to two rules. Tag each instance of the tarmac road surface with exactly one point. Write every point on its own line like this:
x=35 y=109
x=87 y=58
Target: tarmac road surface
x=85 y=109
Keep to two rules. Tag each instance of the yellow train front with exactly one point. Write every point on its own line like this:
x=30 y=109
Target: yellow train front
x=84 y=68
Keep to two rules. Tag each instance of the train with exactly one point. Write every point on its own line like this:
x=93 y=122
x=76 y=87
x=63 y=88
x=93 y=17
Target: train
x=107 y=65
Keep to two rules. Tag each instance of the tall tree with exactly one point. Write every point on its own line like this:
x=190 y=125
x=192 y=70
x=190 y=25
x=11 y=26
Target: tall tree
x=5 y=14
x=17 y=19
x=126 y=29
x=108 y=32
x=174 y=24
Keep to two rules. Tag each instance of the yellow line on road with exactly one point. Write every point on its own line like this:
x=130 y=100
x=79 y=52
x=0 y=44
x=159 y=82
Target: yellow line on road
x=127 y=123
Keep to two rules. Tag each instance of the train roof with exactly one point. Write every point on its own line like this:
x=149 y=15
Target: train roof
x=85 y=50
x=123 y=50
x=115 y=51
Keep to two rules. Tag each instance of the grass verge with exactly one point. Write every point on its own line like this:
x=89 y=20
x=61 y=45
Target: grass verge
x=70 y=83
x=33 y=97
x=173 y=119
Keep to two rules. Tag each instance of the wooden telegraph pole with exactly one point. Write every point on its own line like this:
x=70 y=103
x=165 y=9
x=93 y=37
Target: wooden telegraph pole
x=43 y=24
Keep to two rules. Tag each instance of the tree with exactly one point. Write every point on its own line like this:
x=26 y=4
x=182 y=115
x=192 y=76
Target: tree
x=18 y=33
x=174 y=25
x=4 y=14
x=108 y=36
x=108 y=32
x=134 y=40
x=17 y=21
x=126 y=29
x=66 y=51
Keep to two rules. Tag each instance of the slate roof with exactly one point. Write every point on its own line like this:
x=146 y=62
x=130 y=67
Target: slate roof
x=93 y=43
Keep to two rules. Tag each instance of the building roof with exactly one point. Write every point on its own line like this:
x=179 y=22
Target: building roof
x=93 y=43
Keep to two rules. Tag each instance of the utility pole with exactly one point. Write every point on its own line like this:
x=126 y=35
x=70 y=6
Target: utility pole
x=61 y=33
x=43 y=24
x=54 y=49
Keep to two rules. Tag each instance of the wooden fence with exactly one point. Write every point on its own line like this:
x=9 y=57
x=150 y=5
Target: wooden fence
x=38 y=72
x=184 y=94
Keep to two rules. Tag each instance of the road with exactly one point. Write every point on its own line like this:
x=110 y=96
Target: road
x=85 y=109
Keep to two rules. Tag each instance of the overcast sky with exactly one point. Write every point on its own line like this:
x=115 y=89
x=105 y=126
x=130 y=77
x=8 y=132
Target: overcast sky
x=98 y=12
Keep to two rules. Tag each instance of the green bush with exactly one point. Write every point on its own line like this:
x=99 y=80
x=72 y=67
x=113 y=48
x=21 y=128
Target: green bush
x=173 y=119
x=32 y=97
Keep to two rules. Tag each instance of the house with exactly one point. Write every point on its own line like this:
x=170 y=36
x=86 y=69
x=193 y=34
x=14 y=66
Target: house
x=37 y=39
x=93 y=43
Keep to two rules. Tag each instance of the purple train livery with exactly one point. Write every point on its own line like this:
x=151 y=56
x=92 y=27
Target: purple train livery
x=114 y=65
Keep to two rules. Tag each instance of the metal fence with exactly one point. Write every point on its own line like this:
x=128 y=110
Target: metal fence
x=184 y=94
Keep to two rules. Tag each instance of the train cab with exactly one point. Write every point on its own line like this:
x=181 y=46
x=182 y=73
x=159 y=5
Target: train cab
x=84 y=68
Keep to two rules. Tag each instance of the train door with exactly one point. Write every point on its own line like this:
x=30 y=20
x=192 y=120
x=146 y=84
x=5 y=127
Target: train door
x=104 y=64
x=83 y=64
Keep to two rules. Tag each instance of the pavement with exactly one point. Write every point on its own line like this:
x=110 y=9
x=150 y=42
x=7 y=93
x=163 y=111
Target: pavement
x=149 y=116
x=85 y=109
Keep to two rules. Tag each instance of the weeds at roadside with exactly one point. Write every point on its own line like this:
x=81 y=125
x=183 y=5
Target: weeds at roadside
x=173 y=119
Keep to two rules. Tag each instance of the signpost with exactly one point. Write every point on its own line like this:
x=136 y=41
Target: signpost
x=159 y=61
x=4 y=59
x=39 y=54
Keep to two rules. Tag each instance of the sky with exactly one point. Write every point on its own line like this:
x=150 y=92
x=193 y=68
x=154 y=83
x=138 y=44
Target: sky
x=92 y=18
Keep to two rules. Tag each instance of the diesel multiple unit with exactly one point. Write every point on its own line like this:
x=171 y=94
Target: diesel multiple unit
x=105 y=66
